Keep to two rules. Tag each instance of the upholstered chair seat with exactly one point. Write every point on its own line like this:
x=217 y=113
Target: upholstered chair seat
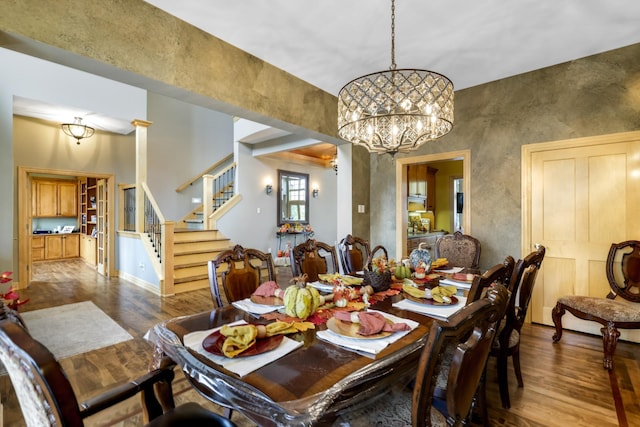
x=602 y=308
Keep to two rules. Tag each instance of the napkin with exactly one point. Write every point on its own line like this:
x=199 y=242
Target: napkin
x=450 y=270
x=240 y=365
x=438 y=311
x=459 y=285
x=367 y=347
x=371 y=322
x=253 y=308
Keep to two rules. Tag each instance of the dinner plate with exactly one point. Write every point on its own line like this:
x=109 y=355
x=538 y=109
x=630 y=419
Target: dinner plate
x=213 y=344
x=257 y=299
x=429 y=301
x=350 y=330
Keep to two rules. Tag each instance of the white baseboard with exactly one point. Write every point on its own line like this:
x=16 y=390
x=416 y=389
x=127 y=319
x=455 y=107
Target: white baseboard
x=140 y=283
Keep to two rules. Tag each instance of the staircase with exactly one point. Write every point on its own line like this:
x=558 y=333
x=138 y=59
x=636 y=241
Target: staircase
x=192 y=249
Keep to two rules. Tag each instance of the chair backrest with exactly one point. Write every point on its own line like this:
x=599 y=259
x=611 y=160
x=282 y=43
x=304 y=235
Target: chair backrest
x=471 y=331
x=499 y=273
x=521 y=286
x=43 y=390
x=355 y=252
x=623 y=270
x=241 y=271
x=461 y=250
x=313 y=258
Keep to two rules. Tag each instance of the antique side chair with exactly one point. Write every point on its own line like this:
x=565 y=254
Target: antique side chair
x=623 y=274
x=354 y=253
x=461 y=250
x=313 y=258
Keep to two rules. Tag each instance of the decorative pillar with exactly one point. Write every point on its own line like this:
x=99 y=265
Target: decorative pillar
x=141 y=169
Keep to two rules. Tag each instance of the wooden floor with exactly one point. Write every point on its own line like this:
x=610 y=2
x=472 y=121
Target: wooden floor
x=565 y=384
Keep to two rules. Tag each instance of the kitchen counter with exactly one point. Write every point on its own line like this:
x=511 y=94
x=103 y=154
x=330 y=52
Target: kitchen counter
x=420 y=235
x=429 y=240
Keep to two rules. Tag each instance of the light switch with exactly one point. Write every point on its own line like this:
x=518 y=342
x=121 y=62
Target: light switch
x=196 y=200
x=360 y=208
x=258 y=210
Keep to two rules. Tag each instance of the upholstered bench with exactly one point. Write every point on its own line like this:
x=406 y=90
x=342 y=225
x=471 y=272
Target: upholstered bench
x=623 y=274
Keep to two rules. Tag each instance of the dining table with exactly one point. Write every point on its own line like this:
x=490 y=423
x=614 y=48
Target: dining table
x=312 y=383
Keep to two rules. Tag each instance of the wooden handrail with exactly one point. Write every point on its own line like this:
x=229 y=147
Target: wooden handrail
x=200 y=175
x=153 y=202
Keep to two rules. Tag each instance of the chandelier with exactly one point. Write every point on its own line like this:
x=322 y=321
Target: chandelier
x=395 y=111
x=77 y=130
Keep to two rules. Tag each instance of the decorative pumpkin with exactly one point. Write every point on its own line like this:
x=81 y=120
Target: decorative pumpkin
x=421 y=255
x=301 y=300
x=402 y=272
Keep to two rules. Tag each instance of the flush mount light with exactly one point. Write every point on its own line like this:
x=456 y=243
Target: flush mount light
x=77 y=130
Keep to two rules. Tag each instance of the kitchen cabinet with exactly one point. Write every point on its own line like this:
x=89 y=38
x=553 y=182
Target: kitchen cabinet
x=88 y=249
x=429 y=239
x=54 y=198
x=37 y=248
x=421 y=181
x=59 y=246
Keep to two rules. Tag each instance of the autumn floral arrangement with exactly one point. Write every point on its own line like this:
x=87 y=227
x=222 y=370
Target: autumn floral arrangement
x=10 y=296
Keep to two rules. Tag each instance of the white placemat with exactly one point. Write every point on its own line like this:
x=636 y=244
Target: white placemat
x=322 y=287
x=251 y=307
x=450 y=270
x=437 y=311
x=240 y=365
x=370 y=347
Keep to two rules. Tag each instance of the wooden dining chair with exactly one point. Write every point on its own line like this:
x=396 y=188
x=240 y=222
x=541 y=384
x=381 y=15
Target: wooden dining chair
x=241 y=271
x=354 y=252
x=499 y=273
x=623 y=275
x=507 y=343
x=470 y=332
x=47 y=398
x=313 y=258
x=461 y=250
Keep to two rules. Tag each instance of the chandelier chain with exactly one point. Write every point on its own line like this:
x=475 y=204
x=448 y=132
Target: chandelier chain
x=393 y=35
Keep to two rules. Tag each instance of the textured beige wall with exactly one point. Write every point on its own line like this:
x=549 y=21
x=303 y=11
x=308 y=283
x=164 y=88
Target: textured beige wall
x=596 y=95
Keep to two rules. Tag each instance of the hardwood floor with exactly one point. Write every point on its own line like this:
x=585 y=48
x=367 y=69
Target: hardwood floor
x=564 y=383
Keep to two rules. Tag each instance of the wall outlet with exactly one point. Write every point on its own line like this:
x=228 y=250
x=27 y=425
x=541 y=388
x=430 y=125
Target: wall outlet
x=141 y=266
x=196 y=200
x=258 y=210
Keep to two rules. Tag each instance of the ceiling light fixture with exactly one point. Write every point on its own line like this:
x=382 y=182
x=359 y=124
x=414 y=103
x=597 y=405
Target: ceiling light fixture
x=77 y=130
x=395 y=111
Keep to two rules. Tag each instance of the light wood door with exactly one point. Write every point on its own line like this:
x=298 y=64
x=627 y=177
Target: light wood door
x=102 y=249
x=582 y=199
x=67 y=199
x=53 y=247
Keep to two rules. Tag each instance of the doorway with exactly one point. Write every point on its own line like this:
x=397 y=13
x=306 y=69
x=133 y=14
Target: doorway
x=402 y=192
x=25 y=218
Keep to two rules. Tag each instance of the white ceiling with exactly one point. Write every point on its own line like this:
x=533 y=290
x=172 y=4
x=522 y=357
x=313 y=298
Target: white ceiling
x=330 y=42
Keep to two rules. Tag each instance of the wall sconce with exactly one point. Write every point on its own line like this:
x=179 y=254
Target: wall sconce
x=315 y=192
x=268 y=188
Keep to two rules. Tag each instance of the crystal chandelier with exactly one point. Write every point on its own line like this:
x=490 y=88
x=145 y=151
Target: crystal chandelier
x=77 y=129
x=395 y=111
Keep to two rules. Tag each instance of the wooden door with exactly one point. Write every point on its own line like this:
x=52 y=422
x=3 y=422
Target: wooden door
x=582 y=199
x=53 y=247
x=102 y=224
x=67 y=199
x=71 y=246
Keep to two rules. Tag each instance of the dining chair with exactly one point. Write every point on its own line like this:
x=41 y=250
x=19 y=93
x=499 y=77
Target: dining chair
x=461 y=250
x=241 y=271
x=47 y=399
x=499 y=273
x=507 y=343
x=470 y=332
x=313 y=258
x=355 y=252
x=623 y=275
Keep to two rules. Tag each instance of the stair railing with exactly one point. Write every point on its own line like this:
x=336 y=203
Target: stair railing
x=217 y=190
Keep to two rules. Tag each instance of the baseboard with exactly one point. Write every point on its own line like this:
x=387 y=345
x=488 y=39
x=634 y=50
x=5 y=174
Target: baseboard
x=139 y=282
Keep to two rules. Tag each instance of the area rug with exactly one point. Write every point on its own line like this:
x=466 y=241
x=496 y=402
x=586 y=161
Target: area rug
x=72 y=329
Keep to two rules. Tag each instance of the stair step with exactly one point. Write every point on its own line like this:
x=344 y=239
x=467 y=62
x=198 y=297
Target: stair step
x=184 y=235
x=190 y=271
x=191 y=285
x=180 y=248
x=193 y=257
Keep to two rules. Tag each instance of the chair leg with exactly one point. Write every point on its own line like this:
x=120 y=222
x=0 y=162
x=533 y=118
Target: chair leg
x=516 y=365
x=227 y=413
x=556 y=314
x=610 y=336
x=503 y=382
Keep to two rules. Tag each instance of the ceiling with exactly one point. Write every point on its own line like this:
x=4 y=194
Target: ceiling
x=330 y=42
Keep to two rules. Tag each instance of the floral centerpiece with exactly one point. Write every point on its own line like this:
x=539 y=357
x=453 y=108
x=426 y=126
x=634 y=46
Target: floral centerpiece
x=377 y=273
x=9 y=295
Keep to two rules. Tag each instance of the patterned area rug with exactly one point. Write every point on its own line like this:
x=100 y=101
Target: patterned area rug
x=72 y=329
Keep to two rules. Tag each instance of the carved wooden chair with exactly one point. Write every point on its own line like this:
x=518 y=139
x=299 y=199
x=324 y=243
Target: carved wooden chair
x=313 y=258
x=623 y=274
x=354 y=253
x=47 y=398
x=508 y=341
x=499 y=273
x=461 y=250
x=241 y=271
x=470 y=333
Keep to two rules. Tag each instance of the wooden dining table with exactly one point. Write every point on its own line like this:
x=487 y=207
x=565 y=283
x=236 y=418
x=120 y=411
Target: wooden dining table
x=312 y=385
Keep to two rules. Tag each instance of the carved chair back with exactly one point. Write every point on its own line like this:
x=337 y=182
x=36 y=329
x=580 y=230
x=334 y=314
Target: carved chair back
x=461 y=250
x=623 y=270
x=499 y=273
x=355 y=252
x=471 y=332
x=313 y=258
x=241 y=271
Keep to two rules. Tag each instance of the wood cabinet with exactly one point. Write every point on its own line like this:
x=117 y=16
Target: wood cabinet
x=88 y=249
x=55 y=246
x=54 y=198
x=37 y=248
x=421 y=181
